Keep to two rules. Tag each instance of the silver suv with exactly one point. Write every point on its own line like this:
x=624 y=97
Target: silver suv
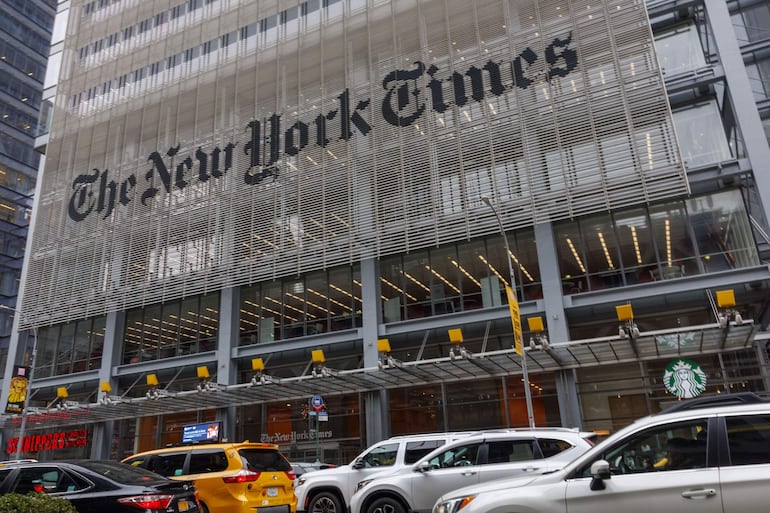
x=698 y=458
x=477 y=458
x=329 y=490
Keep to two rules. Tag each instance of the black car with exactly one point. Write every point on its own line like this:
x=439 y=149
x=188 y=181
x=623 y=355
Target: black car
x=101 y=486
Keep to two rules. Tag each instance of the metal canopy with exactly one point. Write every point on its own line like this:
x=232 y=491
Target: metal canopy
x=682 y=342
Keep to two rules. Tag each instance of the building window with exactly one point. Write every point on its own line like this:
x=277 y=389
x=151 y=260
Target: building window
x=458 y=277
x=668 y=240
x=315 y=303
x=70 y=347
x=751 y=20
x=182 y=327
x=679 y=49
x=701 y=135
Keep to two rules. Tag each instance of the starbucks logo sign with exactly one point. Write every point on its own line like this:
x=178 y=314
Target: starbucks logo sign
x=684 y=378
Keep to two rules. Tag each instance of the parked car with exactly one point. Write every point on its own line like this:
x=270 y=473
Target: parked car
x=303 y=467
x=101 y=486
x=232 y=477
x=329 y=491
x=477 y=458
x=701 y=458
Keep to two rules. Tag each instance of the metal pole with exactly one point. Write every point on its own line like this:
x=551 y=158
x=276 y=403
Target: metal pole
x=23 y=425
x=509 y=258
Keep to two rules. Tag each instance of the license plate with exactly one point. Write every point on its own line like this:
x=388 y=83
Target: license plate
x=272 y=491
x=183 y=505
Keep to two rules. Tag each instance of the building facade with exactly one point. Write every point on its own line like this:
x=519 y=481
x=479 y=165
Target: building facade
x=301 y=218
x=25 y=34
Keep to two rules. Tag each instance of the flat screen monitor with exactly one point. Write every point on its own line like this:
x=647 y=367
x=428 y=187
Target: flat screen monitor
x=203 y=432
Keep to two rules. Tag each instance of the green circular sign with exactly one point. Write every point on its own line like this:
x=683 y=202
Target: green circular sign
x=684 y=378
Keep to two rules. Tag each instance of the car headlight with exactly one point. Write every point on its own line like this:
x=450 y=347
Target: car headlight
x=362 y=484
x=300 y=481
x=453 y=505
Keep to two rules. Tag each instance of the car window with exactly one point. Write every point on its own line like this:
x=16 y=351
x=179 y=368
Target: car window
x=120 y=473
x=416 y=450
x=202 y=462
x=553 y=446
x=381 y=456
x=661 y=448
x=749 y=439
x=459 y=456
x=507 y=451
x=167 y=464
x=264 y=460
x=4 y=473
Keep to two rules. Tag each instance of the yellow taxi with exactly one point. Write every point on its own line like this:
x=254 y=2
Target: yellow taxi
x=230 y=477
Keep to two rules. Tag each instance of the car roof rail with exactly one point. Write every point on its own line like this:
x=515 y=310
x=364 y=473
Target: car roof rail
x=716 y=400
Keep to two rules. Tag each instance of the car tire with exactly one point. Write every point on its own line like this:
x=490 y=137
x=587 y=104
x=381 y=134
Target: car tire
x=386 y=505
x=204 y=508
x=326 y=502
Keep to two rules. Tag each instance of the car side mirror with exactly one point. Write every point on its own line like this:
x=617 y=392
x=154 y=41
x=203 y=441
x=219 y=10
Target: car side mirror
x=423 y=466
x=358 y=464
x=600 y=470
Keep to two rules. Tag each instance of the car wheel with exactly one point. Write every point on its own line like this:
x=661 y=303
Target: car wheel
x=326 y=502
x=204 y=509
x=386 y=505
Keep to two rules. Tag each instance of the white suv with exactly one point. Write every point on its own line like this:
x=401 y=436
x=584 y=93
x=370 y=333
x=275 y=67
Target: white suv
x=329 y=490
x=697 y=459
x=477 y=458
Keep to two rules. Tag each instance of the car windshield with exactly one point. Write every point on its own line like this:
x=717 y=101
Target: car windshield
x=120 y=473
x=261 y=460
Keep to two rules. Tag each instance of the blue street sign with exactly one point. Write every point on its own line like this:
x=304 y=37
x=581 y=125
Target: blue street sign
x=317 y=403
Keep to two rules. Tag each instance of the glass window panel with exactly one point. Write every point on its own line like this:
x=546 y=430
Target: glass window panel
x=675 y=250
x=169 y=328
x=722 y=231
x=416 y=410
x=391 y=288
x=572 y=262
x=188 y=327
x=679 y=49
x=82 y=346
x=132 y=339
x=415 y=284
x=209 y=322
x=65 y=349
x=756 y=21
x=602 y=258
x=526 y=265
x=341 y=298
x=98 y=331
x=152 y=334
x=46 y=351
x=294 y=308
x=271 y=316
x=701 y=135
x=249 y=316
x=474 y=275
x=319 y=308
x=636 y=246
x=444 y=289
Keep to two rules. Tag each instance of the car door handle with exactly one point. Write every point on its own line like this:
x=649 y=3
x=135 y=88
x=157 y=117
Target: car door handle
x=468 y=473
x=530 y=469
x=701 y=493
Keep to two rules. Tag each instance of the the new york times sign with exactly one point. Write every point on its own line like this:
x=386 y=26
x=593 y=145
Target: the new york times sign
x=409 y=94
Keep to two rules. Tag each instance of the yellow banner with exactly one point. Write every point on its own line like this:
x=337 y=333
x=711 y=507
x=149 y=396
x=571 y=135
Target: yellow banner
x=17 y=394
x=513 y=305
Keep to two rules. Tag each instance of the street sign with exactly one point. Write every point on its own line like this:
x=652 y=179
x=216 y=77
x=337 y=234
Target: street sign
x=513 y=305
x=317 y=403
